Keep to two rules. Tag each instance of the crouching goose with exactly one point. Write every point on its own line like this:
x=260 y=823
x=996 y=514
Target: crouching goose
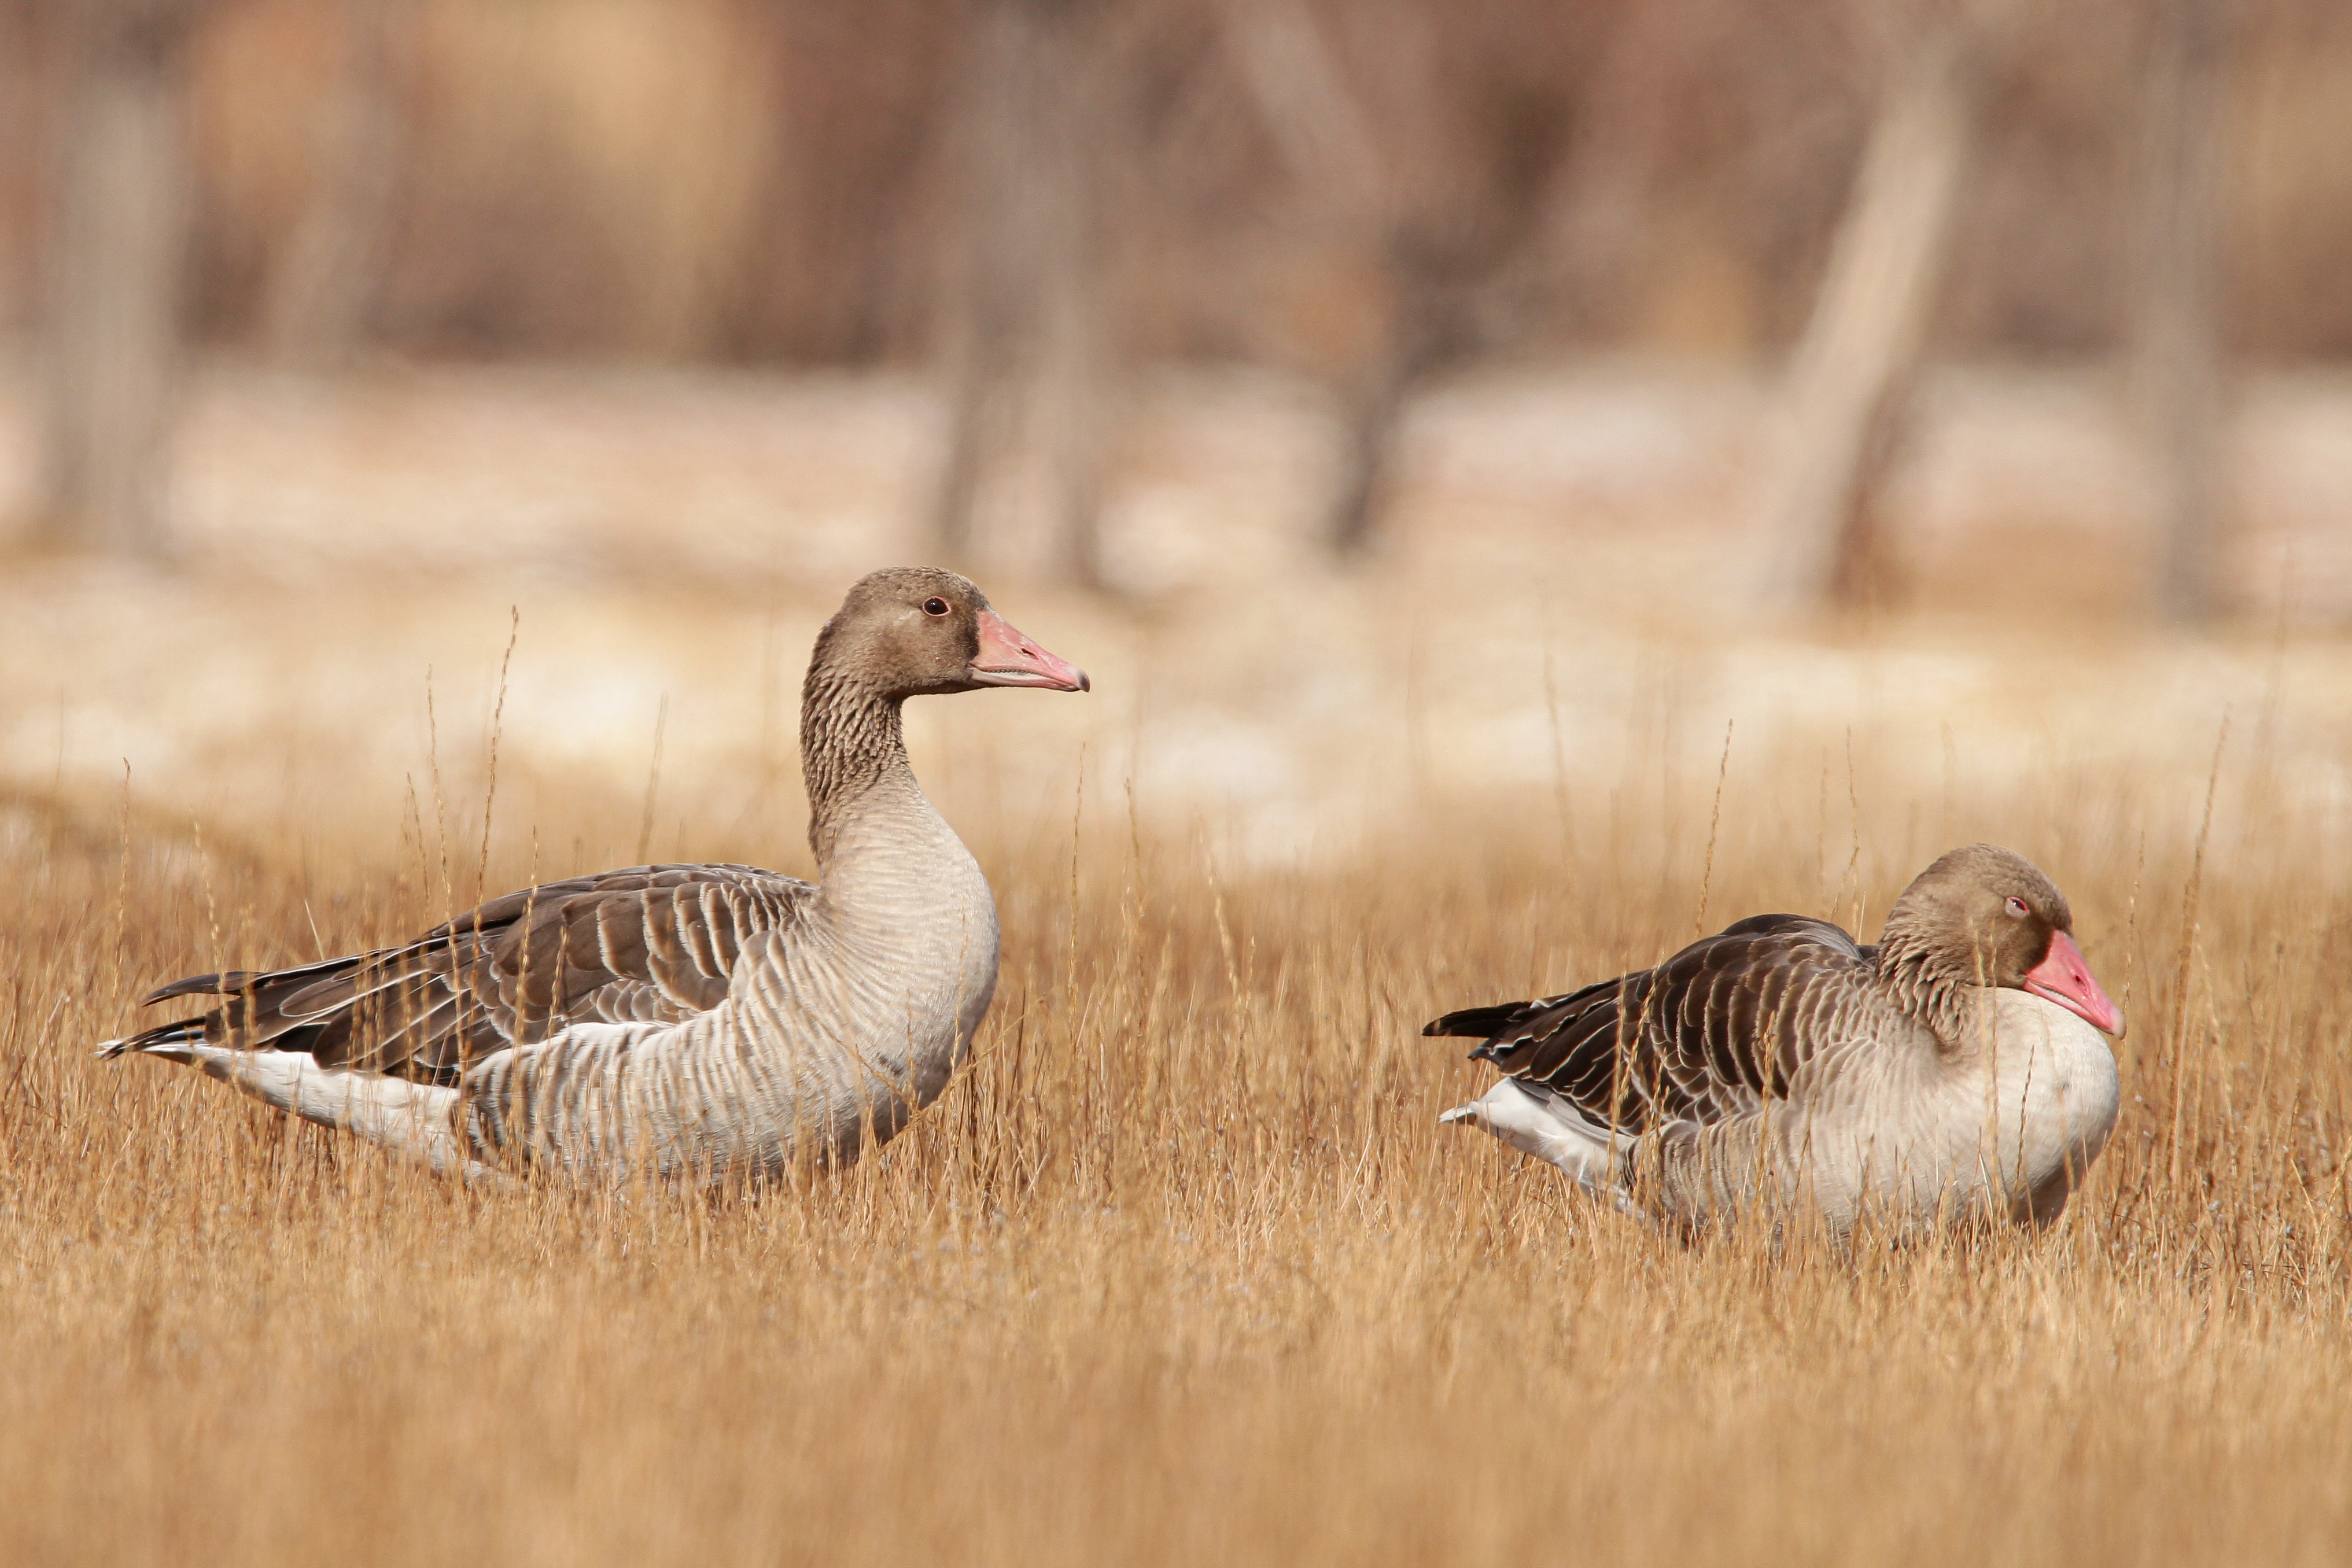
x=1954 y=1070
x=695 y=1021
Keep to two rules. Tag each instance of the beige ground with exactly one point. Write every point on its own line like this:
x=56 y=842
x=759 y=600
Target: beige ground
x=670 y=543
x=1183 y=1270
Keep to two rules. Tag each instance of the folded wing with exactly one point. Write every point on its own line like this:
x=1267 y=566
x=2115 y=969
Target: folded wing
x=1711 y=1033
x=649 y=944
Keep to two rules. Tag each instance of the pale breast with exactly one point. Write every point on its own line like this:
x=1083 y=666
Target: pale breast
x=2008 y=1124
x=2055 y=1086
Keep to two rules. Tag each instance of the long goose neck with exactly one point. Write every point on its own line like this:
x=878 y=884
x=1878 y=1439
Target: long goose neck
x=853 y=749
x=1915 y=977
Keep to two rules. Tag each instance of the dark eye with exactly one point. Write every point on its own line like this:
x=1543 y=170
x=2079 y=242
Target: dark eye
x=939 y=607
x=2017 y=907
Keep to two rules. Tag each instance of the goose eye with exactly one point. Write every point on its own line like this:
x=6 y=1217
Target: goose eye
x=2017 y=907
x=939 y=607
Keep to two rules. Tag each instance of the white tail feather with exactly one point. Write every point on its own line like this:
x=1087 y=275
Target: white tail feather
x=1535 y=1121
x=414 y=1119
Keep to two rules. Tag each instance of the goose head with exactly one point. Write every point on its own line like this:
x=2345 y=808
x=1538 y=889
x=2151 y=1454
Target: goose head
x=1985 y=915
x=918 y=631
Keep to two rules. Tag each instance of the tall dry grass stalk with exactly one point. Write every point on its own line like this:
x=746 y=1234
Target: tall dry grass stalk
x=1181 y=1269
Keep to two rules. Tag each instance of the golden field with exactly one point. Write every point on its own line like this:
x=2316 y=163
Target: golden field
x=1181 y=1269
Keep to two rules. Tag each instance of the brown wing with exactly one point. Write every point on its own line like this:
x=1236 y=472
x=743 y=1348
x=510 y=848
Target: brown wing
x=653 y=944
x=1720 y=1026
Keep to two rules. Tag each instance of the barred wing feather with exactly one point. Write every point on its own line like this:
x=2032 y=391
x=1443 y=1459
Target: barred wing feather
x=1709 y=1034
x=649 y=944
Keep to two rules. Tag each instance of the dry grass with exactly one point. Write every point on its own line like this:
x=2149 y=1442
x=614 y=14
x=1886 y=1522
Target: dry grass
x=1183 y=1269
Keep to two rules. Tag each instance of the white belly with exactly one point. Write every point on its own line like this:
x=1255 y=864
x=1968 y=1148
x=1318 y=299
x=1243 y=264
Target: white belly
x=2053 y=1095
x=2005 y=1132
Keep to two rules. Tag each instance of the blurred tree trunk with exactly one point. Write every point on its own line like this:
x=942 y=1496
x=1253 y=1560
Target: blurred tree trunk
x=1074 y=374
x=1429 y=248
x=1425 y=335
x=1370 y=422
x=1594 y=231
x=1849 y=383
x=1027 y=300
x=1335 y=156
x=2179 y=348
x=988 y=301
x=324 y=290
x=1075 y=382
x=115 y=257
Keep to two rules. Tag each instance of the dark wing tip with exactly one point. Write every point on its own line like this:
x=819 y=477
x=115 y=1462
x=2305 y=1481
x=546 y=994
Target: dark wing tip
x=1481 y=1023
x=237 y=981
x=195 y=984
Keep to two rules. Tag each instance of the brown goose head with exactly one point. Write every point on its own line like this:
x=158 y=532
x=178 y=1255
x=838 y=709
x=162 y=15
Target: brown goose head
x=1985 y=915
x=917 y=631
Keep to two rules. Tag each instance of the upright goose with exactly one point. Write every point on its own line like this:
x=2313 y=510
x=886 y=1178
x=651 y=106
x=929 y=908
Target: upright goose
x=694 y=1020
x=1954 y=1070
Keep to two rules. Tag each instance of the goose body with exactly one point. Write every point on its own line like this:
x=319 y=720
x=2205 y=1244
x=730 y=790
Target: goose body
x=1955 y=1070
x=704 y=1021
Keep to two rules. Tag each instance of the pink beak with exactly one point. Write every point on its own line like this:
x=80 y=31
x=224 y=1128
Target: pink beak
x=1006 y=658
x=2064 y=977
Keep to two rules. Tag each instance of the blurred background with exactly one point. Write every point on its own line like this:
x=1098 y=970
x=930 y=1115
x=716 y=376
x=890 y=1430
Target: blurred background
x=1388 y=400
